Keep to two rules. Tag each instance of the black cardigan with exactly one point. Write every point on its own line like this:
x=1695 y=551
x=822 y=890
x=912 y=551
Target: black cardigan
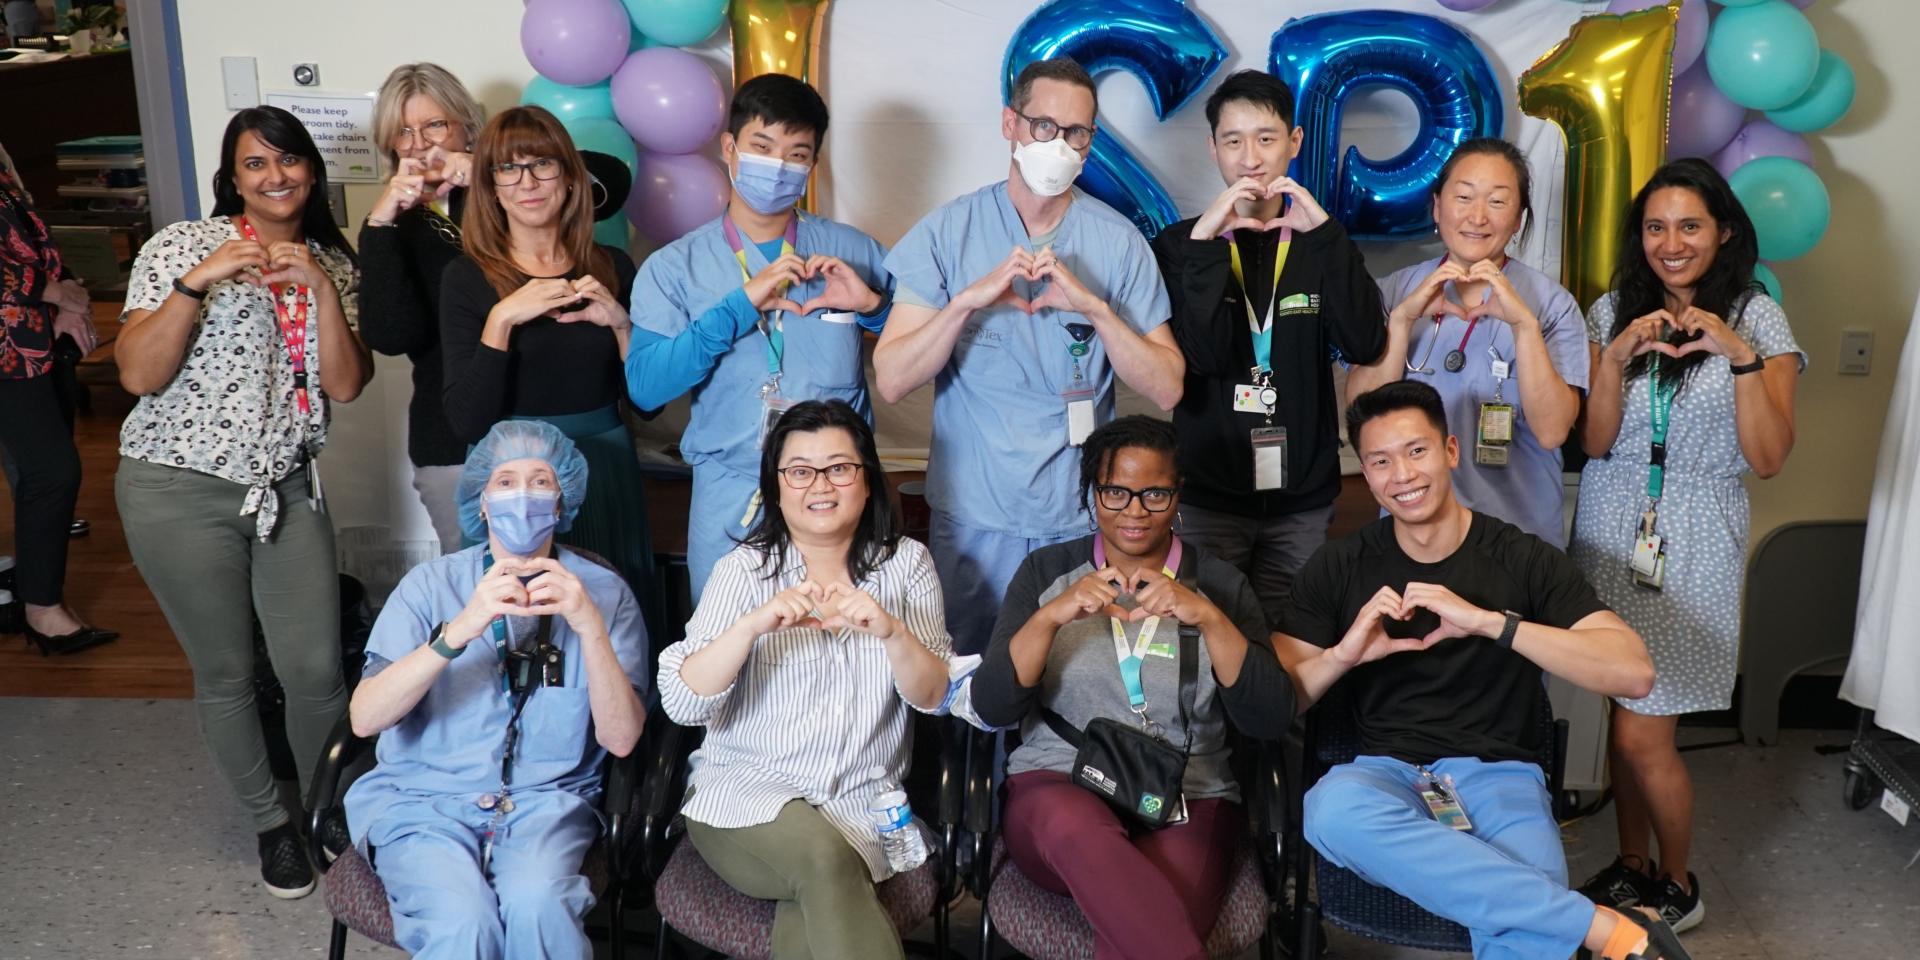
x=400 y=269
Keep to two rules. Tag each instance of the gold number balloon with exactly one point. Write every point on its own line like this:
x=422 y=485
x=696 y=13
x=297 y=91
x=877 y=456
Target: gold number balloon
x=1607 y=87
x=780 y=36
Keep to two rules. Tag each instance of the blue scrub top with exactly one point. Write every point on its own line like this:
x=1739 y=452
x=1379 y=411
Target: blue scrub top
x=1528 y=491
x=449 y=744
x=1000 y=460
x=695 y=280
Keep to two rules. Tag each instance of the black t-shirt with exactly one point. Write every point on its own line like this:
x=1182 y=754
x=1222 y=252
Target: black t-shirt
x=1462 y=697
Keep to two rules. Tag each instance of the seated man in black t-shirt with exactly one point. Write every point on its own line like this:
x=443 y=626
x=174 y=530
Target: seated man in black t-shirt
x=1444 y=619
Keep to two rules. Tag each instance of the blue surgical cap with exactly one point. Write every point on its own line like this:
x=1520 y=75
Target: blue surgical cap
x=521 y=440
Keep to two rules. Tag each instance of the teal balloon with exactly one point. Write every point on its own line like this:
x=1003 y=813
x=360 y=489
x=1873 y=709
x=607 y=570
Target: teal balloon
x=1763 y=56
x=604 y=135
x=1739 y=3
x=1787 y=202
x=677 y=23
x=1765 y=275
x=1824 y=103
x=612 y=232
x=569 y=103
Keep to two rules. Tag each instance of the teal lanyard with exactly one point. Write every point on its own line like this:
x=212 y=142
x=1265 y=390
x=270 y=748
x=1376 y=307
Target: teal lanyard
x=1262 y=330
x=1131 y=658
x=1660 y=400
x=775 y=332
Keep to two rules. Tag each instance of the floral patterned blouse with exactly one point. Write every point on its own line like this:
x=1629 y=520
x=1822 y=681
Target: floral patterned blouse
x=29 y=265
x=230 y=410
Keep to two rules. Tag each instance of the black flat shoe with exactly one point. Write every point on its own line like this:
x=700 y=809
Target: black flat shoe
x=68 y=643
x=79 y=528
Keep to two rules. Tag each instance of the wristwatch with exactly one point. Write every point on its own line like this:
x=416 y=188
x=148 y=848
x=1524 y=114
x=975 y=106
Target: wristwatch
x=1759 y=363
x=180 y=287
x=438 y=642
x=1507 y=630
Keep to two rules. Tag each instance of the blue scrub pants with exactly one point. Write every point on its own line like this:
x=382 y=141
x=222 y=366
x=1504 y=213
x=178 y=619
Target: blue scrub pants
x=533 y=901
x=1505 y=880
x=975 y=566
x=720 y=498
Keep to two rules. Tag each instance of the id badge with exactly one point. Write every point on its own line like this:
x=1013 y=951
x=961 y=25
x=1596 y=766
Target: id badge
x=1079 y=415
x=1269 y=458
x=1250 y=398
x=1444 y=803
x=772 y=405
x=1649 y=561
x=1496 y=424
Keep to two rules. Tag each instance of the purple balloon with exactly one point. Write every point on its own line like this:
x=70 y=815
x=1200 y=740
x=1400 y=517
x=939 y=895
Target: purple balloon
x=673 y=193
x=575 y=42
x=1701 y=119
x=1761 y=138
x=668 y=99
x=1690 y=37
x=1464 y=5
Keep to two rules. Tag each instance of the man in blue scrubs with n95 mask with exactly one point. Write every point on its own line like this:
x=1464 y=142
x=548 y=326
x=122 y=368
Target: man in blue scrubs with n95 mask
x=1020 y=301
x=754 y=312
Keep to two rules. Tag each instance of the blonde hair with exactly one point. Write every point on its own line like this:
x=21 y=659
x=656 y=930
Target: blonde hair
x=433 y=82
x=529 y=132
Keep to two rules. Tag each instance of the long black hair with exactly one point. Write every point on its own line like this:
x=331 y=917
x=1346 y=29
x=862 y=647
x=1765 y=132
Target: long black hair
x=1494 y=147
x=283 y=132
x=1722 y=291
x=878 y=534
x=1106 y=442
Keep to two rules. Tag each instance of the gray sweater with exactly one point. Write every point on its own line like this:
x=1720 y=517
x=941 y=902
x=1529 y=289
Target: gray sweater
x=1082 y=680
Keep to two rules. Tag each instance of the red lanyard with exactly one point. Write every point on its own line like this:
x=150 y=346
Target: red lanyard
x=293 y=324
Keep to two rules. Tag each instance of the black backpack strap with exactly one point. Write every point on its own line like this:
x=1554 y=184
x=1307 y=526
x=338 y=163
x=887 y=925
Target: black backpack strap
x=1061 y=728
x=1190 y=641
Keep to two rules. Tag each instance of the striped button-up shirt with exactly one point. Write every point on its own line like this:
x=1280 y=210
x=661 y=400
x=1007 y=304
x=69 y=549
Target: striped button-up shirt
x=811 y=712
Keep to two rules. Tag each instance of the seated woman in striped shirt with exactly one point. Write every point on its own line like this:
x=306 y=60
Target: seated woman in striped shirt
x=812 y=639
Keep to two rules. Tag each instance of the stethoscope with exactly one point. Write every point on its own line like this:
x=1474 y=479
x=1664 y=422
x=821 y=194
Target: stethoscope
x=1431 y=340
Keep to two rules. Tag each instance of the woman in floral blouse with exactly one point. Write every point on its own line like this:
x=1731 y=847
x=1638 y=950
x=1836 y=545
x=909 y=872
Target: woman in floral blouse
x=239 y=331
x=40 y=302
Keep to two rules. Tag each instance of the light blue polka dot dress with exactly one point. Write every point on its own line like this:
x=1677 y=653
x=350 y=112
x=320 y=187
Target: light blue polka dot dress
x=1692 y=625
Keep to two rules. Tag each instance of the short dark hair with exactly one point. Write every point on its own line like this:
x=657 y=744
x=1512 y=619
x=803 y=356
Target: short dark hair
x=1494 y=147
x=1106 y=442
x=1391 y=398
x=1258 y=87
x=878 y=534
x=283 y=132
x=776 y=99
x=1063 y=69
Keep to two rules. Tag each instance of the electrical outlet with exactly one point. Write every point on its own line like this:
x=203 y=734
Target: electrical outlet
x=1856 y=352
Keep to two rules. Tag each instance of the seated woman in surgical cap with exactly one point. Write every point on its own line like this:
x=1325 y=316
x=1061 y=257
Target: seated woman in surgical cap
x=484 y=800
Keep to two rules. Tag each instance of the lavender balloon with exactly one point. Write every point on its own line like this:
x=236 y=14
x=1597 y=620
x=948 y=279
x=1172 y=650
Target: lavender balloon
x=575 y=42
x=673 y=193
x=668 y=99
x=1761 y=138
x=1690 y=36
x=1702 y=119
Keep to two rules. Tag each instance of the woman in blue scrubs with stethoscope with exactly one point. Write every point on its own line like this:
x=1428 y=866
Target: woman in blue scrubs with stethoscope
x=1501 y=341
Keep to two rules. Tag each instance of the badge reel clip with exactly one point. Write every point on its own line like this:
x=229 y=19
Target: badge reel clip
x=1649 y=553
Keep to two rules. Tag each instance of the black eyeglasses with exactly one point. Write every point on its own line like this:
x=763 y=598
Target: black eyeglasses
x=1118 y=498
x=1044 y=129
x=507 y=173
x=839 y=474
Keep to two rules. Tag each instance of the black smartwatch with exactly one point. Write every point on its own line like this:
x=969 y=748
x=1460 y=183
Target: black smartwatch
x=1759 y=363
x=1508 y=629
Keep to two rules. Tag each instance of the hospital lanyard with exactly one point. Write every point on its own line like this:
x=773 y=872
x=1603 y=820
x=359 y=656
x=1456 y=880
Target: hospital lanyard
x=499 y=630
x=1262 y=330
x=293 y=325
x=775 y=332
x=1660 y=402
x=1130 y=659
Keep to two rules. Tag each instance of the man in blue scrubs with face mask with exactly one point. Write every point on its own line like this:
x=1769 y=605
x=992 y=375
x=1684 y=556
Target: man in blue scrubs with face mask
x=754 y=312
x=1021 y=301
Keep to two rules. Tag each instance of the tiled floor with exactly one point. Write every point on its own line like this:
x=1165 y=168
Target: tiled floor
x=117 y=839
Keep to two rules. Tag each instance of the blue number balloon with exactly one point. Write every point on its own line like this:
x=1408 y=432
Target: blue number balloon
x=1328 y=57
x=1169 y=48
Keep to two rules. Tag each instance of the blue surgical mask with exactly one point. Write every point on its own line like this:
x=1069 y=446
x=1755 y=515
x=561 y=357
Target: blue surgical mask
x=769 y=185
x=522 y=520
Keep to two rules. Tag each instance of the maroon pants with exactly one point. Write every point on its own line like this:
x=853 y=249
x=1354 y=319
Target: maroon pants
x=1150 y=895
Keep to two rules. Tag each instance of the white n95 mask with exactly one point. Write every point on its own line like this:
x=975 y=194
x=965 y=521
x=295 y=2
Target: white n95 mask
x=1048 y=167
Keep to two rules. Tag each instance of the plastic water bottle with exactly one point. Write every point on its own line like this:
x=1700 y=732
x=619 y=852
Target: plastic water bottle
x=892 y=818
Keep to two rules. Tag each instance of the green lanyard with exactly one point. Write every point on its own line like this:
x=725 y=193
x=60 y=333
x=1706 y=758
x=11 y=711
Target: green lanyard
x=775 y=332
x=1262 y=330
x=1660 y=400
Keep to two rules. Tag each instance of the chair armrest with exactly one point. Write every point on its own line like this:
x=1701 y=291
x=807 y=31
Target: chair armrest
x=341 y=750
x=661 y=790
x=951 y=798
x=1557 y=777
x=983 y=749
x=617 y=803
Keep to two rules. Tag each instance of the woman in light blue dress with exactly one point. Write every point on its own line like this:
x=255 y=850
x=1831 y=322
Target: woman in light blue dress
x=1694 y=368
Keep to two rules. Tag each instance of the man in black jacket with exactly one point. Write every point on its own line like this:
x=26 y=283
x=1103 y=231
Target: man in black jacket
x=1265 y=289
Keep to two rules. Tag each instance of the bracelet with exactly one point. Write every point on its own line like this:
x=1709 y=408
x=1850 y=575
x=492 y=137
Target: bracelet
x=438 y=642
x=180 y=287
x=1759 y=363
x=371 y=222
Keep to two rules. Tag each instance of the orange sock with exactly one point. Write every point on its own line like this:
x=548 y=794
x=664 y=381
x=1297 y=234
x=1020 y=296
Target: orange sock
x=1627 y=938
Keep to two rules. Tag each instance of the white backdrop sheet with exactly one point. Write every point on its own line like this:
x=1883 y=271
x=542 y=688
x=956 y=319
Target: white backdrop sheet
x=914 y=89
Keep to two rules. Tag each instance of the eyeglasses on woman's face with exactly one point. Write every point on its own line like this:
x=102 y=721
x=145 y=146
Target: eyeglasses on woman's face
x=1118 y=498
x=800 y=477
x=507 y=172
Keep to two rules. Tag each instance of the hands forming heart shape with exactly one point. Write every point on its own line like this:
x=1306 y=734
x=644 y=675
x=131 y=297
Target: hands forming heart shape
x=1698 y=332
x=1300 y=212
x=845 y=290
